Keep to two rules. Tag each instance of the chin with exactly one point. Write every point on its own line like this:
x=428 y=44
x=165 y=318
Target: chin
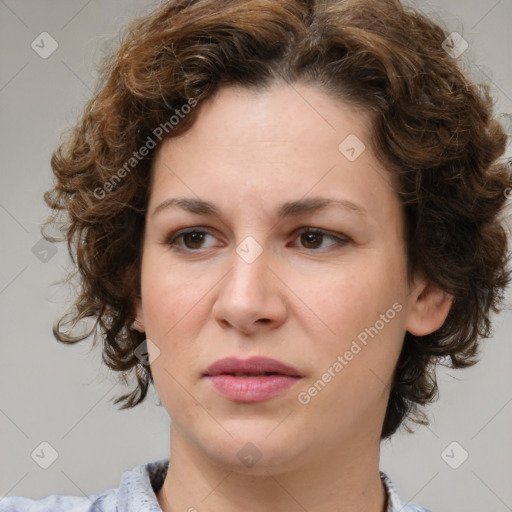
x=253 y=451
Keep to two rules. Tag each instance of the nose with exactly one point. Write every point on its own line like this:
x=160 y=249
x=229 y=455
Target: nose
x=251 y=295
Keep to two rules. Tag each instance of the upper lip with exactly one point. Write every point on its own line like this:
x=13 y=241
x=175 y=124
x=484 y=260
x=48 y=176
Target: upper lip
x=255 y=365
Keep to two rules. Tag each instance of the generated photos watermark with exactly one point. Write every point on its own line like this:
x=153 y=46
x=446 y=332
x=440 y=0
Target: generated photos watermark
x=341 y=361
x=143 y=151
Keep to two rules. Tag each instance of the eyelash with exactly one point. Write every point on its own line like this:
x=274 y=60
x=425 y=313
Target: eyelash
x=171 y=241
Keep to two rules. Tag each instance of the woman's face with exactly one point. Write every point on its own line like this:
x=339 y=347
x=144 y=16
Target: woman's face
x=334 y=305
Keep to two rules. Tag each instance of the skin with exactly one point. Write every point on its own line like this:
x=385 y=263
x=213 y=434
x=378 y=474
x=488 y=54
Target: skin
x=302 y=301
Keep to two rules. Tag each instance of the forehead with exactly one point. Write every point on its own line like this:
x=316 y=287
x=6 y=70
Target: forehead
x=282 y=113
x=270 y=146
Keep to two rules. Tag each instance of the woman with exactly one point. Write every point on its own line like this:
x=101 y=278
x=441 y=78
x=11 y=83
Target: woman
x=284 y=214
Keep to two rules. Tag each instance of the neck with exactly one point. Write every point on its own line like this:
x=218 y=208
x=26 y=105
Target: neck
x=346 y=480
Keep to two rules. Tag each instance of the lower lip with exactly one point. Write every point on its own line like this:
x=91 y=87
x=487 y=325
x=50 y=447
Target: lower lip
x=251 y=389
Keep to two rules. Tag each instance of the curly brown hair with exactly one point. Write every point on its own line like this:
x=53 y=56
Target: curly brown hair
x=433 y=129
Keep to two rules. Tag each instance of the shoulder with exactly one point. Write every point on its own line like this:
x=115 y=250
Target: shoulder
x=136 y=492
x=104 y=501
x=395 y=504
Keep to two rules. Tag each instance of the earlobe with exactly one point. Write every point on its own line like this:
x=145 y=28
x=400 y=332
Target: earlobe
x=428 y=310
x=137 y=325
x=138 y=322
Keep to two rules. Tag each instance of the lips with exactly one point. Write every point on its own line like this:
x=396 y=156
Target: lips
x=257 y=379
x=256 y=366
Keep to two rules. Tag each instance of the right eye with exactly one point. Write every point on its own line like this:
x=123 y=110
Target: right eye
x=192 y=238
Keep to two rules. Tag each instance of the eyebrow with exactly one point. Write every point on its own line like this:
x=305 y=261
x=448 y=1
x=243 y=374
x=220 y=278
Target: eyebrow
x=288 y=209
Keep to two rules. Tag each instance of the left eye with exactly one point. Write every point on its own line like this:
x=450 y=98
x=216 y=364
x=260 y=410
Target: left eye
x=314 y=236
x=194 y=238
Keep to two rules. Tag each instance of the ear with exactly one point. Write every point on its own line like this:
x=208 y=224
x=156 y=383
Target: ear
x=138 y=323
x=429 y=306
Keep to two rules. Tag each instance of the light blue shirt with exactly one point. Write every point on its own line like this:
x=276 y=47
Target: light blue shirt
x=136 y=493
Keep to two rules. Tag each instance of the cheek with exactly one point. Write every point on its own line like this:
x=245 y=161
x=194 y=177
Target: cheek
x=173 y=312
x=353 y=367
x=172 y=299
x=350 y=300
x=364 y=313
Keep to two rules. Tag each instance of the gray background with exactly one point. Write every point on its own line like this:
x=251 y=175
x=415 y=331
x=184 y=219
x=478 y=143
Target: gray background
x=62 y=394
